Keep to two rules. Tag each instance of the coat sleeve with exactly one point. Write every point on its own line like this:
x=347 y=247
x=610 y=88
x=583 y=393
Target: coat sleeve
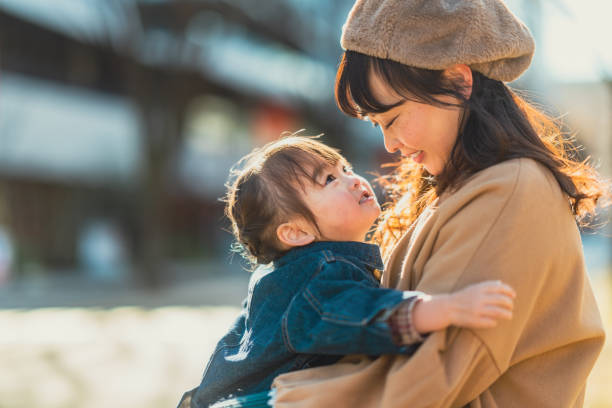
x=343 y=310
x=512 y=230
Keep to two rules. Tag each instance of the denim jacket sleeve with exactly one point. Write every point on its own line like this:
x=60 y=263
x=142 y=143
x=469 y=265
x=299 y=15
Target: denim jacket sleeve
x=342 y=310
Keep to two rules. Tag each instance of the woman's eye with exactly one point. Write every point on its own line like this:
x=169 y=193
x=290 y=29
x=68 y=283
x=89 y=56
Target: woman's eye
x=329 y=179
x=388 y=125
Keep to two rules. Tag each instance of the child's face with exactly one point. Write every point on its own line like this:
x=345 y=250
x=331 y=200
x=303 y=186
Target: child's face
x=343 y=204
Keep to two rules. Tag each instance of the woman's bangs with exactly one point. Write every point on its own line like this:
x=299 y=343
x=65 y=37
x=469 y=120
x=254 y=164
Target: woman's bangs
x=355 y=98
x=353 y=94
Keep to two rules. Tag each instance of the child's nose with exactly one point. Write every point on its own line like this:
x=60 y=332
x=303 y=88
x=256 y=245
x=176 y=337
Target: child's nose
x=355 y=182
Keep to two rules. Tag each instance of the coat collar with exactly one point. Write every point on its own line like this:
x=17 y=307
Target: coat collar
x=369 y=254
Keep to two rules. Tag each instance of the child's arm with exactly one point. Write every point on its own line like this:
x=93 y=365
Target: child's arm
x=477 y=306
x=342 y=310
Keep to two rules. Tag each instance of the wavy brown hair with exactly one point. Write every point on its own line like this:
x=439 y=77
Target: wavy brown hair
x=496 y=125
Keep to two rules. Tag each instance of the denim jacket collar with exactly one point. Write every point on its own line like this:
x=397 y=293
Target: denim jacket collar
x=369 y=254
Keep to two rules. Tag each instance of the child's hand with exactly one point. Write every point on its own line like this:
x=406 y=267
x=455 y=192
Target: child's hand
x=477 y=306
x=481 y=305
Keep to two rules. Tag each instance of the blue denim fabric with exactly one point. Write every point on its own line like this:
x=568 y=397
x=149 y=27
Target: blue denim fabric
x=316 y=303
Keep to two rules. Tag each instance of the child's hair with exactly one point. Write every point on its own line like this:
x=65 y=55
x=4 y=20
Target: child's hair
x=265 y=190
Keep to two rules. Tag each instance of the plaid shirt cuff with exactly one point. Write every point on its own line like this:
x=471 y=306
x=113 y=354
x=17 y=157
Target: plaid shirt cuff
x=400 y=322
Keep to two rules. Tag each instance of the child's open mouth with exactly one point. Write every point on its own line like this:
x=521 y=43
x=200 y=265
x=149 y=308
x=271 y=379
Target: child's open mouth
x=365 y=196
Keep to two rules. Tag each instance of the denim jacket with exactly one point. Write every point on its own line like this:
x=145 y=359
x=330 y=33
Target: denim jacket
x=316 y=303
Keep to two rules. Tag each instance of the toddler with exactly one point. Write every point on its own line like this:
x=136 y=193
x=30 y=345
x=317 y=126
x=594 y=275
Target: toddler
x=297 y=207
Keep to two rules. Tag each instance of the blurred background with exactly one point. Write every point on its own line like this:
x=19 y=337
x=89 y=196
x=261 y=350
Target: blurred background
x=119 y=121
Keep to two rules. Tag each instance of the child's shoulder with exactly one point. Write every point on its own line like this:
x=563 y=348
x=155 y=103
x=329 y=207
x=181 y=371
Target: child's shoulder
x=329 y=265
x=298 y=269
x=287 y=274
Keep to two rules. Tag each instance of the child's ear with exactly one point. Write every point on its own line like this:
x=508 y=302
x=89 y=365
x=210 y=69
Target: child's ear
x=294 y=234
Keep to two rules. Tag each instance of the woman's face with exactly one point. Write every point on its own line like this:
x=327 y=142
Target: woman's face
x=423 y=132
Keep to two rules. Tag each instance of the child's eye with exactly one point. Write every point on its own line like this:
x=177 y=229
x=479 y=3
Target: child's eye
x=347 y=169
x=329 y=179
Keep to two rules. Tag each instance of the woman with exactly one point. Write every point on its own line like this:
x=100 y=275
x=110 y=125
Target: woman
x=485 y=190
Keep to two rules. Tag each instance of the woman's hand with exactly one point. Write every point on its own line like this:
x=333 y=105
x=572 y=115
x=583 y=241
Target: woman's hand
x=476 y=306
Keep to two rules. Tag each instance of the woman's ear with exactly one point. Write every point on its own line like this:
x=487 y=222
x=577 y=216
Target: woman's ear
x=293 y=234
x=461 y=74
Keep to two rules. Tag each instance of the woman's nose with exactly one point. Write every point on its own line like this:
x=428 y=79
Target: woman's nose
x=391 y=144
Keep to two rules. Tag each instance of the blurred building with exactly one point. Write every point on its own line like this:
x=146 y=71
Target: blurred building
x=130 y=113
x=120 y=119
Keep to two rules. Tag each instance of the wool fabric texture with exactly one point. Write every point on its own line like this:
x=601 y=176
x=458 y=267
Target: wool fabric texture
x=436 y=34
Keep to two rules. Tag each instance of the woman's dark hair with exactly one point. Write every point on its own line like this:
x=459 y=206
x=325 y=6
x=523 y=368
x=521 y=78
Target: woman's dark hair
x=266 y=188
x=496 y=125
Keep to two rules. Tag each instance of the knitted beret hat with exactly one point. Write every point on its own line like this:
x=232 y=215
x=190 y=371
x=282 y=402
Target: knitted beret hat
x=436 y=34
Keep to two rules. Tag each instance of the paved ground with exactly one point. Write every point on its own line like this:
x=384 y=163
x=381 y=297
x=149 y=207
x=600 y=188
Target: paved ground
x=94 y=358
x=72 y=343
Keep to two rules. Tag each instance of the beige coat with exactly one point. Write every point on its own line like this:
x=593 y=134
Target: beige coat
x=510 y=222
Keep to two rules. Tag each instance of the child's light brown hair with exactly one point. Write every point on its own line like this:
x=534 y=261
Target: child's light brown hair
x=265 y=190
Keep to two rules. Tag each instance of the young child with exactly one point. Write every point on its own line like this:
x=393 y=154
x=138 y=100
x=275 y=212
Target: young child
x=297 y=204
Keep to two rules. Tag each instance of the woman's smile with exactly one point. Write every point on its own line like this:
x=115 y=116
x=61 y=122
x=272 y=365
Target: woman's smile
x=417 y=156
x=422 y=132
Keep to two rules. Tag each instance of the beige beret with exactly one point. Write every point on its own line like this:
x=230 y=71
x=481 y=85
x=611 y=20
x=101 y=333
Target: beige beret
x=436 y=34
